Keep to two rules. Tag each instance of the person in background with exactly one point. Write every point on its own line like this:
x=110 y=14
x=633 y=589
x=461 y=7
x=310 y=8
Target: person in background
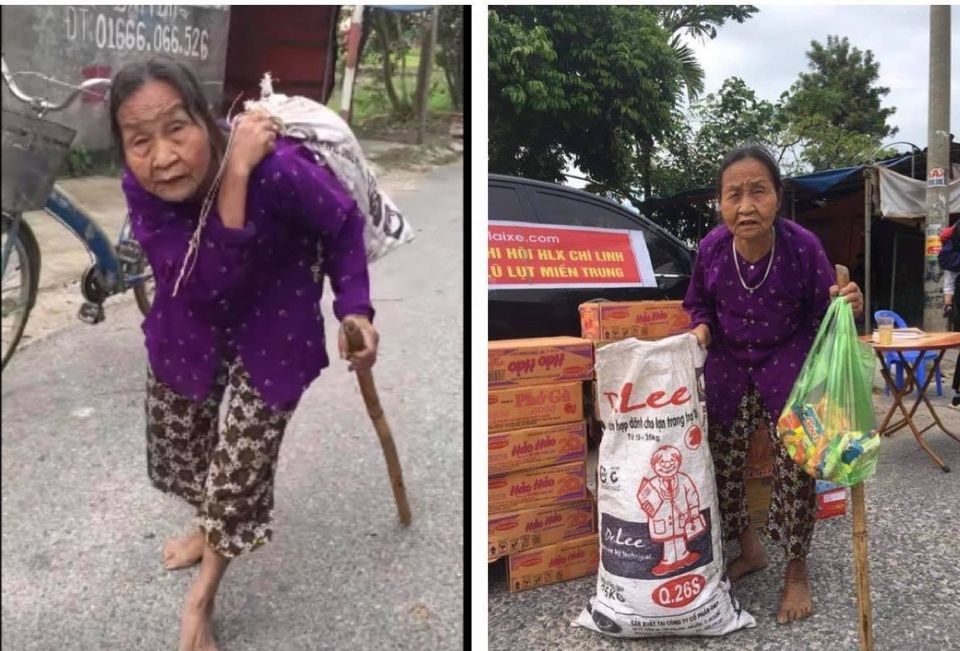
x=760 y=286
x=237 y=305
x=951 y=312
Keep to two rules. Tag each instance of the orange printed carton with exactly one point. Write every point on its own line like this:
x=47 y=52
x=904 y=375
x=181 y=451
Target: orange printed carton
x=536 y=447
x=528 y=489
x=567 y=560
x=532 y=406
x=831 y=500
x=605 y=322
x=542 y=360
x=510 y=533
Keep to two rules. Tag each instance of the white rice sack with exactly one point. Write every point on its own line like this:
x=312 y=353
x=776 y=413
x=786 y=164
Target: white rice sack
x=332 y=141
x=661 y=548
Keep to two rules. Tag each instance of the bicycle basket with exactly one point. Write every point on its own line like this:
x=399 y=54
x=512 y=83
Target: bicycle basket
x=33 y=152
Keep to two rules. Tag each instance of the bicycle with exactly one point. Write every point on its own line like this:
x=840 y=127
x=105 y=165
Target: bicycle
x=33 y=151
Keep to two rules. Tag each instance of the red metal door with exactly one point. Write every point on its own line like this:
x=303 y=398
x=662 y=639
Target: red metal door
x=296 y=44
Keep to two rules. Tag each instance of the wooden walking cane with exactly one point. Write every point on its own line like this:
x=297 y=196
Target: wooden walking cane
x=861 y=566
x=371 y=399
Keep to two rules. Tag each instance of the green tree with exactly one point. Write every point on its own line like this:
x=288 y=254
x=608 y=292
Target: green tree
x=720 y=121
x=585 y=85
x=834 y=110
x=717 y=123
x=696 y=21
x=450 y=51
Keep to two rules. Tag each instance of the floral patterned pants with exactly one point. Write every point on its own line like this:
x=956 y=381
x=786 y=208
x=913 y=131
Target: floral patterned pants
x=793 y=499
x=226 y=473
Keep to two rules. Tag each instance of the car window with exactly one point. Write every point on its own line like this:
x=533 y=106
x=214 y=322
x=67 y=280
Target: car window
x=504 y=204
x=558 y=208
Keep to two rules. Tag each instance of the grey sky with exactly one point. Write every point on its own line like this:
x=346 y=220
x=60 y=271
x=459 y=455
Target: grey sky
x=769 y=50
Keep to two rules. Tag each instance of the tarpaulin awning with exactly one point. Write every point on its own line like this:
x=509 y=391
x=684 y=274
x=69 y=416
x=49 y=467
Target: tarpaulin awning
x=822 y=181
x=903 y=197
x=814 y=183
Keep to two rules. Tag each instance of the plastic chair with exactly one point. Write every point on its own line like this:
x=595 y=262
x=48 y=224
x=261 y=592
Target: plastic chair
x=893 y=360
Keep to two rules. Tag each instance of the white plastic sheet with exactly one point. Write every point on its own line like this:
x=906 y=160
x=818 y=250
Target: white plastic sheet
x=902 y=197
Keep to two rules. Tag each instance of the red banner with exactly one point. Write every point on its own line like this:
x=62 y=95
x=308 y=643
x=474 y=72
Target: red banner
x=526 y=255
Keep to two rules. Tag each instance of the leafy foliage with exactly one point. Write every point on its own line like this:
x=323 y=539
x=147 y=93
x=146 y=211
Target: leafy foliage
x=450 y=50
x=834 y=110
x=580 y=84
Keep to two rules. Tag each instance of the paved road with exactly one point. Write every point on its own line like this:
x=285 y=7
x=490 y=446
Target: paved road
x=82 y=529
x=912 y=521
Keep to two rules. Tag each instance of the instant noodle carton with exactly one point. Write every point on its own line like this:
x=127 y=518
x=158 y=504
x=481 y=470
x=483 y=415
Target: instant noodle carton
x=605 y=322
x=529 y=489
x=532 y=406
x=511 y=533
x=542 y=360
x=536 y=447
x=567 y=560
x=831 y=500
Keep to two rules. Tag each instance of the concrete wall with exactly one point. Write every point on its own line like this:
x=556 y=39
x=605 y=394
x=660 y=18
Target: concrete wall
x=74 y=42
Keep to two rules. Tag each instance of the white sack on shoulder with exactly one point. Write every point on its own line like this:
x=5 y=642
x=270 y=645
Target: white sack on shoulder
x=661 y=548
x=330 y=139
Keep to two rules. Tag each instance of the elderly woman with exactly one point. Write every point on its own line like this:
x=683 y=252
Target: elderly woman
x=760 y=287
x=237 y=304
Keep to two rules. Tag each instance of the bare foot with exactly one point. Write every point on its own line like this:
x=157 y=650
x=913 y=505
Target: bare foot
x=196 y=626
x=796 y=603
x=752 y=556
x=179 y=553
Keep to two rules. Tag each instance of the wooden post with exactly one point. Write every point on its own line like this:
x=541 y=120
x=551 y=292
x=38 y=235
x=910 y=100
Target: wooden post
x=861 y=564
x=370 y=398
x=426 y=71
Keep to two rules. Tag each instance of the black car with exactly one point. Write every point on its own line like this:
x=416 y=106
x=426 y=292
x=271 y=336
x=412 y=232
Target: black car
x=519 y=313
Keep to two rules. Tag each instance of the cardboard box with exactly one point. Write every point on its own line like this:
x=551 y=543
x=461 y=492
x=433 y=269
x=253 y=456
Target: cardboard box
x=530 y=489
x=831 y=500
x=511 y=533
x=758 y=500
x=536 y=447
x=567 y=560
x=610 y=321
x=534 y=406
x=544 y=360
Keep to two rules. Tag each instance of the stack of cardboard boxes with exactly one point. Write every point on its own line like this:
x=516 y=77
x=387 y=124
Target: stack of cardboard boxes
x=540 y=514
x=604 y=322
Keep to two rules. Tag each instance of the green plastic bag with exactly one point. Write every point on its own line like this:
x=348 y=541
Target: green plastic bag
x=828 y=425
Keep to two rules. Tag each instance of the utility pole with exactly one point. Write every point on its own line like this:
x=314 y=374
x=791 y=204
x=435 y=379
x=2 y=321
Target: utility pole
x=938 y=162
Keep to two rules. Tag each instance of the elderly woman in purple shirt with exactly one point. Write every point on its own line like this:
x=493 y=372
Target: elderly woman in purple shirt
x=760 y=287
x=242 y=311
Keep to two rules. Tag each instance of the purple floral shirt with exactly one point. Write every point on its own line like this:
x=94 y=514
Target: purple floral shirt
x=255 y=291
x=763 y=337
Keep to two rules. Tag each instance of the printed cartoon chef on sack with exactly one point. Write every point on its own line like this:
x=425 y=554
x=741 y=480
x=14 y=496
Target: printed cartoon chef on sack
x=672 y=504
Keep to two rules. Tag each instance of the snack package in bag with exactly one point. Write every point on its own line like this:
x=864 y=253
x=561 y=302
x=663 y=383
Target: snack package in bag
x=661 y=548
x=828 y=425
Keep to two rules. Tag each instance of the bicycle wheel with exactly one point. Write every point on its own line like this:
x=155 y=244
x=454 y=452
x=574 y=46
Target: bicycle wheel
x=143 y=293
x=20 y=281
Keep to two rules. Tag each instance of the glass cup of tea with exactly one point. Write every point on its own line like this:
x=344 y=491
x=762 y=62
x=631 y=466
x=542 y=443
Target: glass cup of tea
x=884 y=330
